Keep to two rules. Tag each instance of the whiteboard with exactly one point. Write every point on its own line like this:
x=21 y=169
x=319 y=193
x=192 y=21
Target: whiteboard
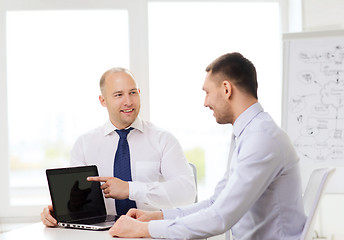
x=313 y=101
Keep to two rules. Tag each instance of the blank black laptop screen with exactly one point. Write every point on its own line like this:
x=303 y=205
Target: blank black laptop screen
x=74 y=197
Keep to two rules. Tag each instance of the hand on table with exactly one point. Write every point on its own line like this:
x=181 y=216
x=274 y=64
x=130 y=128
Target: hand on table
x=145 y=216
x=128 y=227
x=47 y=217
x=134 y=224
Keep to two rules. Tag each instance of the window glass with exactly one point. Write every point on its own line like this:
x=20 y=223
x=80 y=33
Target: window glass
x=184 y=37
x=54 y=62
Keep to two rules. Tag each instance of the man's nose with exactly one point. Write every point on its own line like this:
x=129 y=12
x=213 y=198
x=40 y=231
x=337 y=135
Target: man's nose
x=205 y=102
x=127 y=100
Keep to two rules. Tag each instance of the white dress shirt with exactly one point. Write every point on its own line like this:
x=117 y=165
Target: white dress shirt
x=161 y=176
x=260 y=196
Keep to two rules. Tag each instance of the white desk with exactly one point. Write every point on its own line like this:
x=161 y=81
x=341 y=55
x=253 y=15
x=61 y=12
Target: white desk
x=38 y=231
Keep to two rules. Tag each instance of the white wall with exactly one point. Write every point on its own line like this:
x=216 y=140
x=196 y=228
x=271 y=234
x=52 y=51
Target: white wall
x=319 y=15
x=322 y=15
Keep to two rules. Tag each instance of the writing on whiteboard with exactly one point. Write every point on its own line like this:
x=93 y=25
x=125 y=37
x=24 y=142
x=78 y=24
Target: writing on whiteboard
x=316 y=100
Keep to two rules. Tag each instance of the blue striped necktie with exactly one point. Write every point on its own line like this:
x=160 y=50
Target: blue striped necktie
x=122 y=170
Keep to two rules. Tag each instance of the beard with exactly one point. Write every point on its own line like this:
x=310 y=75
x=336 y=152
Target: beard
x=223 y=118
x=224 y=114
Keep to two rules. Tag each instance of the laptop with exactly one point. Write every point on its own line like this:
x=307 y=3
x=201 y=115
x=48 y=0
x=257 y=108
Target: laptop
x=77 y=202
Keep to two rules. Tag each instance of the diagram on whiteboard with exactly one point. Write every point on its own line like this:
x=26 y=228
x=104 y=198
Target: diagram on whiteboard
x=316 y=99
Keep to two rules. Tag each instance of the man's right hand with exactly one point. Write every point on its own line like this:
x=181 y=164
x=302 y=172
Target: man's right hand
x=145 y=216
x=112 y=187
x=47 y=217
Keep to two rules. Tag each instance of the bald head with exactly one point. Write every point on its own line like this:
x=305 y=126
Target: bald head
x=110 y=71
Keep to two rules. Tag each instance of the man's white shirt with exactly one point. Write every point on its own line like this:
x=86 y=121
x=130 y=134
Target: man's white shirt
x=161 y=176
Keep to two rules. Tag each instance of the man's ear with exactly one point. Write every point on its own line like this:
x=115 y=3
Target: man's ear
x=102 y=101
x=227 y=88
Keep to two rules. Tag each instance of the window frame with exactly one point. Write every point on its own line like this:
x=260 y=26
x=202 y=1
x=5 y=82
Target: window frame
x=138 y=62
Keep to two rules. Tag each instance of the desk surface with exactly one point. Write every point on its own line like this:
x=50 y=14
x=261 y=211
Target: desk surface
x=38 y=231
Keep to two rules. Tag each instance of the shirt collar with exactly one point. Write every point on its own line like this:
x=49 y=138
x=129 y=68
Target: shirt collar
x=245 y=118
x=110 y=128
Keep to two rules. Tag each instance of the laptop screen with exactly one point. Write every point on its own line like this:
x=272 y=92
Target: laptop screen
x=73 y=197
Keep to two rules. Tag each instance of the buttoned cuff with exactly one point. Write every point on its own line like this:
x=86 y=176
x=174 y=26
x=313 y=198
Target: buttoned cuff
x=158 y=228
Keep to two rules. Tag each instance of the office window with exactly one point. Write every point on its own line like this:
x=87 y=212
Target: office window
x=184 y=37
x=54 y=62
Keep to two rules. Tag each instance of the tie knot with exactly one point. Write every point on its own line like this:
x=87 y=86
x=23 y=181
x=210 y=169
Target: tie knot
x=123 y=133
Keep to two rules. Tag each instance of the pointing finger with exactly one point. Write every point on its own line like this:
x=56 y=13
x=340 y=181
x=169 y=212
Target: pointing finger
x=98 y=179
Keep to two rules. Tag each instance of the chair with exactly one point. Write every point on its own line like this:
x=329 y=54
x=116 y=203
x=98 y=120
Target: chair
x=312 y=197
x=194 y=170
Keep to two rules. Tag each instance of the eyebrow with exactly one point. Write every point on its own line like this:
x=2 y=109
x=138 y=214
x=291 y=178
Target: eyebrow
x=121 y=91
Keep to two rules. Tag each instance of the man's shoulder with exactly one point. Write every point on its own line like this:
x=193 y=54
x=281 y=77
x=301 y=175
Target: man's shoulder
x=265 y=130
x=262 y=121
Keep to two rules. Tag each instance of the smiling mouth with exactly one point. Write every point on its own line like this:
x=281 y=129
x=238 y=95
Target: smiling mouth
x=127 y=110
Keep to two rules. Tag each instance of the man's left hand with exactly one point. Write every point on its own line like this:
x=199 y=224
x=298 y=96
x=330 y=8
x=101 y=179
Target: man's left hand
x=127 y=227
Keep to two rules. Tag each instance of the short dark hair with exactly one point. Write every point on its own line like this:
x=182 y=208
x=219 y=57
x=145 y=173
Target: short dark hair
x=239 y=70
